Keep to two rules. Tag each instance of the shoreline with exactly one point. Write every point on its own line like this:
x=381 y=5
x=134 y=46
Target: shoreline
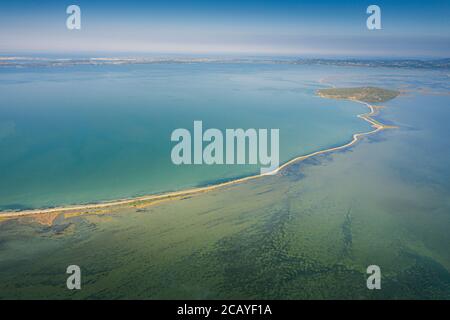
x=197 y=190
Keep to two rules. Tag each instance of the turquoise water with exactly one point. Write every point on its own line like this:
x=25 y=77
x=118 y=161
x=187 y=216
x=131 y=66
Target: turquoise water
x=83 y=134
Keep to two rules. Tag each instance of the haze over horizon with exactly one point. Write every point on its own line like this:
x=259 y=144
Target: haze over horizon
x=327 y=28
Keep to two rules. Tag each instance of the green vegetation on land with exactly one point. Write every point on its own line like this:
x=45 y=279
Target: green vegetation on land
x=365 y=94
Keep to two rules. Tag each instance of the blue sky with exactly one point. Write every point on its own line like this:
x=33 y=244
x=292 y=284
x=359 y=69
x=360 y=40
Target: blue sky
x=308 y=28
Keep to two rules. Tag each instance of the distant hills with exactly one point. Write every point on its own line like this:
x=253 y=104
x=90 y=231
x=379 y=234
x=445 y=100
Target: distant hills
x=397 y=63
x=15 y=61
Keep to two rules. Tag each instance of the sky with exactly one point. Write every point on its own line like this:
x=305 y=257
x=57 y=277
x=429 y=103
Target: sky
x=266 y=27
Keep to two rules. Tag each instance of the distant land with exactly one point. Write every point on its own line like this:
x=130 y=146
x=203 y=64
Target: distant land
x=24 y=61
x=365 y=94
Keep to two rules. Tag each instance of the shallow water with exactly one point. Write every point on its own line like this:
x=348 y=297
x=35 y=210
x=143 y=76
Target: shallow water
x=309 y=232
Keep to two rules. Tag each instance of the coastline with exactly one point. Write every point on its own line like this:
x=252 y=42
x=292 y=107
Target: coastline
x=156 y=198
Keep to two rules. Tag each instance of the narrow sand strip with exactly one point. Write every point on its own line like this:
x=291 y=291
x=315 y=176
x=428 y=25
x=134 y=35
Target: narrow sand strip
x=167 y=196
